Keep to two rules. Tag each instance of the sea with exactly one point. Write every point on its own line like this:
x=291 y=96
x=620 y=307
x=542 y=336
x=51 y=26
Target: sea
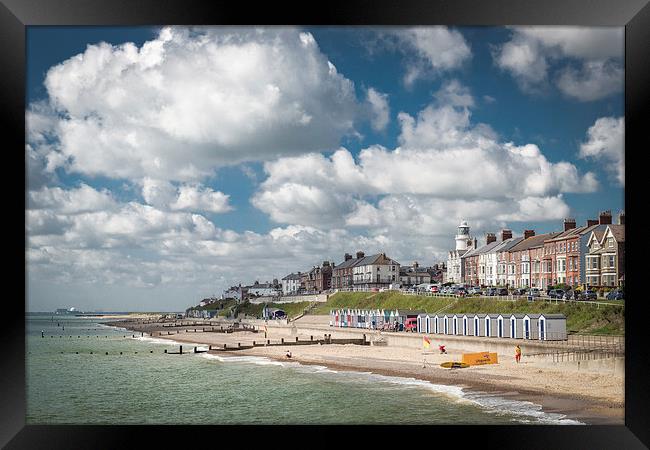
x=80 y=370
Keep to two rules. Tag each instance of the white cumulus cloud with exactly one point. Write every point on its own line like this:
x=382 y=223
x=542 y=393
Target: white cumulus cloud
x=584 y=63
x=191 y=100
x=606 y=143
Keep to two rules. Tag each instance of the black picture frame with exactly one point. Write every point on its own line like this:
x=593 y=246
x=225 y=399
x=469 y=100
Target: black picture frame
x=16 y=15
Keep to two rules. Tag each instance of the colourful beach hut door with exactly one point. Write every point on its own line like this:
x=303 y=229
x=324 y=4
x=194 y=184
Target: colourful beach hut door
x=464 y=326
x=500 y=327
x=455 y=326
x=487 y=326
x=542 y=325
x=446 y=329
x=513 y=322
x=475 y=326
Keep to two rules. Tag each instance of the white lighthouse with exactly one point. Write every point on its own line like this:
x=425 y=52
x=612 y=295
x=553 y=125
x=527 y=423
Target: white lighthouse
x=463 y=240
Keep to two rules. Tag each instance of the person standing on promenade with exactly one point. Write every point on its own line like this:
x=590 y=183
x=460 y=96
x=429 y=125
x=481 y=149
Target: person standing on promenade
x=517 y=353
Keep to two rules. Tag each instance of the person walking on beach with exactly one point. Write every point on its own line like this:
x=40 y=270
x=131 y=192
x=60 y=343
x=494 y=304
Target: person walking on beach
x=288 y=354
x=517 y=353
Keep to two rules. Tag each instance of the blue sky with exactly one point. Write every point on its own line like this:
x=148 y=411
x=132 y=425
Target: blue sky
x=233 y=154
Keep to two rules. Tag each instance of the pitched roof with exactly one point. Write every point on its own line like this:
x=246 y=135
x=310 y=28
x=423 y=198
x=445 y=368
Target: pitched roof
x=533 y=241
x=618 y=231
x=379 y=258
x=508 y=244
x=569 y=233
x=349 y=263
x=598 y=234
x=292 y=276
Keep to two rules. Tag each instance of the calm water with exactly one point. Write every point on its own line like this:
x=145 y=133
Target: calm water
x=154 y=388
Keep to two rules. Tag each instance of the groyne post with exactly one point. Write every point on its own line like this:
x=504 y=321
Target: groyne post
x=181 y=350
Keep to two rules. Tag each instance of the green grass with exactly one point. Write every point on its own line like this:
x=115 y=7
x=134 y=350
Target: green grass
x=292 y=309
x=581 y=317
x=382 y=300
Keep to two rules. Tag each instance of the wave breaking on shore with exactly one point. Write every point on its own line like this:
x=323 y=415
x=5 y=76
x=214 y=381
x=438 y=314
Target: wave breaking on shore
x=521 y=411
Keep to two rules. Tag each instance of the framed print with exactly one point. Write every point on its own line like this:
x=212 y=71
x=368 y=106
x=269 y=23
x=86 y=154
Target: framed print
x=252 y=219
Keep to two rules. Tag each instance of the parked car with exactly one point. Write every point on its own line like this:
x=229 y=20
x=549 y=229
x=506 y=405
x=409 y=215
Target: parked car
x=556 y=293
x=502 y=291
x=519 y=292
x=490 y=291
x=534 y=292
x=474 y=290
x=570 y=295
x=411 y=324
x=434 y=289
x=588 y=295
x=616 y=294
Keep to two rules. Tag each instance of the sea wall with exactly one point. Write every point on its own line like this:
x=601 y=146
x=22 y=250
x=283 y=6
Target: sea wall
x=320 y=298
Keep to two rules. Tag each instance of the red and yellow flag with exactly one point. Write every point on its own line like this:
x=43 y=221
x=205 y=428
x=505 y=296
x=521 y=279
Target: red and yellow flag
x=426 y=342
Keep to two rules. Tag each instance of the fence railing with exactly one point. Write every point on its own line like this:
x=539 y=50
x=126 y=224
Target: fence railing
x=576 y=355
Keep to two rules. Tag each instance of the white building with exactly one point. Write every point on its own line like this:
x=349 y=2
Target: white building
x=291 y=284
x=464 y=243
x=375 y=271
x=235 y=292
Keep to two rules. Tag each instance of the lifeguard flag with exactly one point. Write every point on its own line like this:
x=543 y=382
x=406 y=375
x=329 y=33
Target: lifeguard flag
x=426 y=342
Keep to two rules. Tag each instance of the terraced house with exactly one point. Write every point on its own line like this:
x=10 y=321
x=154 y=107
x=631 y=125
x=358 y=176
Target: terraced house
x=520 y=259
x=375 y=271
x=319 y=279
x=504 y=265
x=410 y=275
x=564 y=255
x=606 y=257
x=342 y=274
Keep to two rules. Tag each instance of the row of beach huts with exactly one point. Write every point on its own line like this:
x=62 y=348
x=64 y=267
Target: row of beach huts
x=547 y=327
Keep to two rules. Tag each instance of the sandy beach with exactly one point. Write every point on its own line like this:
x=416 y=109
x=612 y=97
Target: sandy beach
x=590 y=397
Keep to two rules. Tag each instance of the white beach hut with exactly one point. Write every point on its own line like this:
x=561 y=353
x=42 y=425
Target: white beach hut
x=552 y=327
x=446 y=325
x=421 y=325
x=427 y=323
x=477 y=319
x=503 y=326
x=531 y=324
x=516 y=326
x=468 y=324
x=457 y=324
x=494 y=325
x=435 y=325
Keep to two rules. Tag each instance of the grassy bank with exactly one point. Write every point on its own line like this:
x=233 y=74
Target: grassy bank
x=292 y=309
x=581 y=317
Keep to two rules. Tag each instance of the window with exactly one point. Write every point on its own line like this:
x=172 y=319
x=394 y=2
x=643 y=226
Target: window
x=610 y=242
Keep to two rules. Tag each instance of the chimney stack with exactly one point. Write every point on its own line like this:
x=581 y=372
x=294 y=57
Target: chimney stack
x=505 y=234
x=415 y=264
x=347 y=256
x=475 y=243
x=591 y=222
x=529 y=233
x=490 y=237
x=569 y=224
x=621 y=218
x=360 y=255
x=605 y=218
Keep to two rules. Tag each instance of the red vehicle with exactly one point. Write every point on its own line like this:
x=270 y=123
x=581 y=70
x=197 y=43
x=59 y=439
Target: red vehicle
x=411 y=324
x=434 y=288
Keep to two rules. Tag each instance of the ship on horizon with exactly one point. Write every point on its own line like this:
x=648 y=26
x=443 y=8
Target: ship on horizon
x=68 y=311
